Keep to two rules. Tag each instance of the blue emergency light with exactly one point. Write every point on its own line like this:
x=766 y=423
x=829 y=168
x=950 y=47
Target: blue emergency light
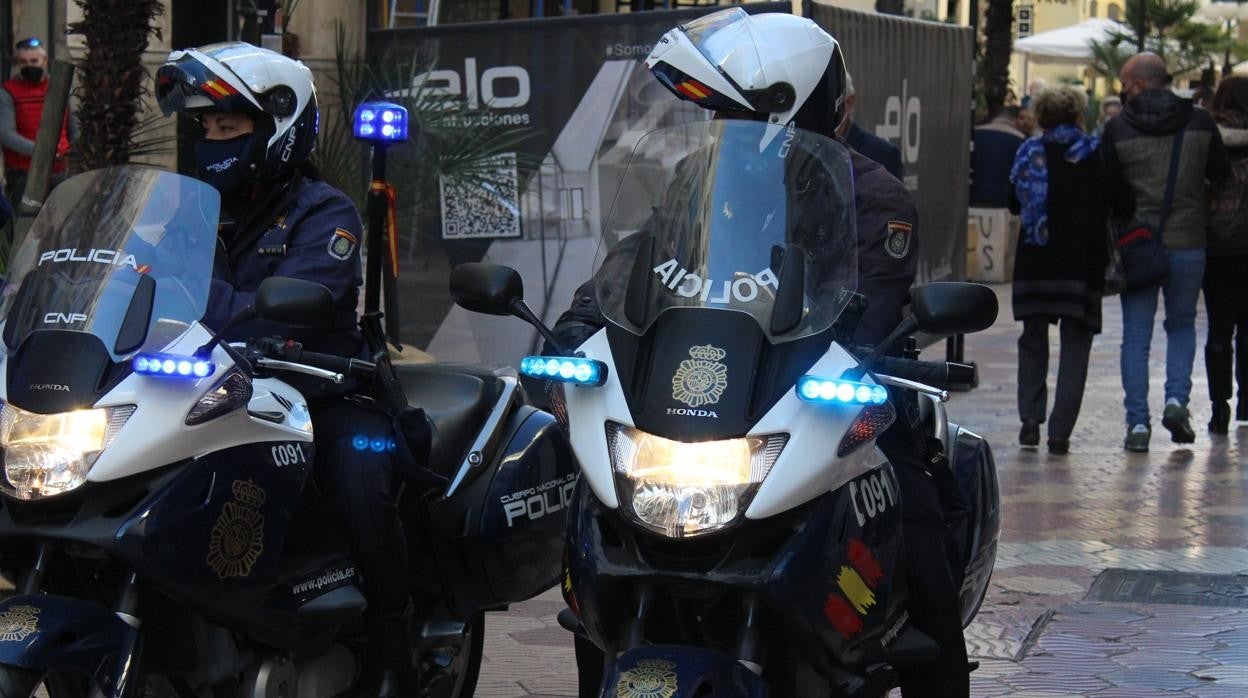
x=381 y=122
x=832 y=391
x=172 y=365
x=565 y=369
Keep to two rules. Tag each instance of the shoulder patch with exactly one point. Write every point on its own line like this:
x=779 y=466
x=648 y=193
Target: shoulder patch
x=342 y=244
x=897 y=243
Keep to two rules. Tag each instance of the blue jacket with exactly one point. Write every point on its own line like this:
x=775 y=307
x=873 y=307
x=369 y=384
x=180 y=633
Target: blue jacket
x=303 y=229
x=991 y=160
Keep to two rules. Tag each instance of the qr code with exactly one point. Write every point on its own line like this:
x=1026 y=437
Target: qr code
x=485 y=205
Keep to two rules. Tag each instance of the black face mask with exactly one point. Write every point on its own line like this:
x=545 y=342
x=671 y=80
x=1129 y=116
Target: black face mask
x=221 y=162
x=31 y=73
x=1123 y=96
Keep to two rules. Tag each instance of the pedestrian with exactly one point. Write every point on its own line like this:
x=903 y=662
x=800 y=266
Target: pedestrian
x=1226 y=280
x=992 y=157
x=21 y=108
x=1111 y=106
x=1026 y=120
x=868 y=144
x=1058 y=186
x=1158 y=129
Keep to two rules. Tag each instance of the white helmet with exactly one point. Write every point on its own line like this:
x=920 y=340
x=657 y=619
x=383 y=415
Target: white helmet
x=238 y=77
x=769 y=64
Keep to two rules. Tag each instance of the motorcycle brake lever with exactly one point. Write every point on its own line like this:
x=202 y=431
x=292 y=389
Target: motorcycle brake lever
x=942 y=395
x=300 y=368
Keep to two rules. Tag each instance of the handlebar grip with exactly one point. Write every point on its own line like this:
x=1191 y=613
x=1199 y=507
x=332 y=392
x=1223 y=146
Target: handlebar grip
x=937 y=374
x=353 y=368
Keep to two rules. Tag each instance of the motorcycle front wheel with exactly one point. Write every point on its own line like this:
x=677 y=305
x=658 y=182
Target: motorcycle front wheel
x=452 y=672
x=25 y=683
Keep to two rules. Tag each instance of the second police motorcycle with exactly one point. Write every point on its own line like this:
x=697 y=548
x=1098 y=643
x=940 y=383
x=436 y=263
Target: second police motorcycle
x=735 y=531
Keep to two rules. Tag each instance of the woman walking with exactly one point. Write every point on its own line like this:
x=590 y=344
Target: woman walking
x=1058 y=185
x=1226 y=268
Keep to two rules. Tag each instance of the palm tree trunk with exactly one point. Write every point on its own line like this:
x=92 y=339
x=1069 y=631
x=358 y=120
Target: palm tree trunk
x=112 y=81
x=998 y=44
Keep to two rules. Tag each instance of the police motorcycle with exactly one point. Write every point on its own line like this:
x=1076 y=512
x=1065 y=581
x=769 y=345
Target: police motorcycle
x=736 y=532
x=158 y=513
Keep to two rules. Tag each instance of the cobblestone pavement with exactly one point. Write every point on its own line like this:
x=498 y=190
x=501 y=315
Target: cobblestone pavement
x=1065 y=519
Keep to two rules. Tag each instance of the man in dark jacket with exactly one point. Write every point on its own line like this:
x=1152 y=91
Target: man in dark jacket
x=992 y=156
x=868 y=144
x=1139 y=147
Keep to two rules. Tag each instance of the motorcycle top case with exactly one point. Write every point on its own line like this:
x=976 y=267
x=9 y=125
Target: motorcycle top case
x=499 y=537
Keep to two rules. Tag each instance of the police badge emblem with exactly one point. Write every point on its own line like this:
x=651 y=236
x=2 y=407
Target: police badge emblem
x=238 y=536
x=897 y=244
x=701 y=379
x=651 y=678
x=18 y=623
x=342 y=244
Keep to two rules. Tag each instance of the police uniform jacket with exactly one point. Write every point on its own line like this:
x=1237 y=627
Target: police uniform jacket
x=302 y=229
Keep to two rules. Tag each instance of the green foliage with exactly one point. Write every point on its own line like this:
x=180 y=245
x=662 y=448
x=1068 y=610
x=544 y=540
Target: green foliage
x=449 y=139
x=1171 y=31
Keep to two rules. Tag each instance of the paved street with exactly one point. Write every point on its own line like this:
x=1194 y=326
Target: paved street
x=1066 y=520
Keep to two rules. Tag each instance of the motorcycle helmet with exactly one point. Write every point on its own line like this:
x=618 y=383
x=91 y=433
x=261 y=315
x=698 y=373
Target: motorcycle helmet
x=776 y=66
x=276 y=91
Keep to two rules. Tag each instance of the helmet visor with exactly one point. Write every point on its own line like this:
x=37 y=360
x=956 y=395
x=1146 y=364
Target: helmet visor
x=729 y=42
x=189 y=85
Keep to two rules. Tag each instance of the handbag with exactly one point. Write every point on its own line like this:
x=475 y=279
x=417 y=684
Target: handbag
x=1140 y=247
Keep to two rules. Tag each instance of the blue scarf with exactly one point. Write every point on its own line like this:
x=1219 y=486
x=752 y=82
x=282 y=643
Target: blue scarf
x=1030 y=176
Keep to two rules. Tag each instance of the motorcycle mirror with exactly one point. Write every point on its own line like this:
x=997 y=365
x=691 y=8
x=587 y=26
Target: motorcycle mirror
x=953 y=307
x=495 y=289
x=294 y=302
x=487 y=288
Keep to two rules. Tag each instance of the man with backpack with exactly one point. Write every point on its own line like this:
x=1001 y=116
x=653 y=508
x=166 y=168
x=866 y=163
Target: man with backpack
x=1168 y=153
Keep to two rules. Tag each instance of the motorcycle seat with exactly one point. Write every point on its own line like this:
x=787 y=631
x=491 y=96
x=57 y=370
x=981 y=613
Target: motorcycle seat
x=456 y=398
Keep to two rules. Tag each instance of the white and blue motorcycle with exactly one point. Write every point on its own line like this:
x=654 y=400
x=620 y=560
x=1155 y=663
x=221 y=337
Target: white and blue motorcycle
x=736 y=531
x=158 y=510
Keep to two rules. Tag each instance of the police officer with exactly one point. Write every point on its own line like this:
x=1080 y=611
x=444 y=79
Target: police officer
x=259 y=115
x=794 y=72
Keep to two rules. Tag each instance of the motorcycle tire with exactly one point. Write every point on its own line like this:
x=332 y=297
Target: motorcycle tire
x=23 y=683
x=458 y=679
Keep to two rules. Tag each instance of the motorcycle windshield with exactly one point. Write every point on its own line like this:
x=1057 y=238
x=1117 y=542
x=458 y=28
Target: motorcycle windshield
x=717 y=215
x=124 y=253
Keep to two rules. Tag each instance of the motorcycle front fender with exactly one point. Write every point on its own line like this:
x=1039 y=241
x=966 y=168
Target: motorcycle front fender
x=48 y=633
x=680 y=672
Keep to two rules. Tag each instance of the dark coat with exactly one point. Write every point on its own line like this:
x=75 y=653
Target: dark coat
x=1137 y=145
x=303 y=229
x=991 y=160
x=1066 y=277
x=877 y=149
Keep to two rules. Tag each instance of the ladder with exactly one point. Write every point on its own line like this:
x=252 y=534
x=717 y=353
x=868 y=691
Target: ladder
x=425 y=14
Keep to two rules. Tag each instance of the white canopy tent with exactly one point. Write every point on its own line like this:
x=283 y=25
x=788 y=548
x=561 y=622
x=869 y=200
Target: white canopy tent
x=1066 y=45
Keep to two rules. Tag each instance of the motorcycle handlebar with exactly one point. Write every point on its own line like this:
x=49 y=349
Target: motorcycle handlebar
x=293 y=352
x=938 y=374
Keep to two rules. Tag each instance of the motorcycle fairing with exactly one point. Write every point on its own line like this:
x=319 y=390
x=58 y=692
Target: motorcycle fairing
x=800 y=474
x=797 y=563
x=976 y=532
x=499 y=538
x=43 y=632
x=58 y=371
x=680 y=672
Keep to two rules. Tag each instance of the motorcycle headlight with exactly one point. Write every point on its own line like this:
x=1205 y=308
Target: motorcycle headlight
x=48 y=454
x=687 y=489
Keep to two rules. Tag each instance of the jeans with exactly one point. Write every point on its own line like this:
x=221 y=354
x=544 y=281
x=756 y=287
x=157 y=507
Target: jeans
x=1139 y=308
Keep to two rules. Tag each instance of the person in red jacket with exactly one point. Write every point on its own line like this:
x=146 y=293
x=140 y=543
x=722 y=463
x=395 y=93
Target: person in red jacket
x=21 y=108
